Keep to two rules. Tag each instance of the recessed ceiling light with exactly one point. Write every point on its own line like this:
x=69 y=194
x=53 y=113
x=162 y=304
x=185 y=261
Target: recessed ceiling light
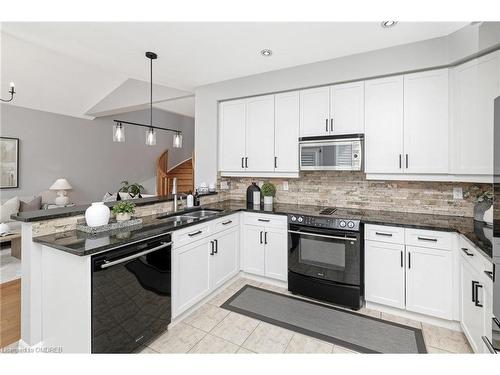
x=387 y=24
x=266 y=52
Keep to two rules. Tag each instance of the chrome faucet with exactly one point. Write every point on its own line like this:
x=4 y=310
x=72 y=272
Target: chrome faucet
x=174 y=192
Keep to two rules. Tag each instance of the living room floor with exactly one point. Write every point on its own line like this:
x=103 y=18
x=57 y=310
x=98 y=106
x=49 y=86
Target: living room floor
x=212 y=329
x=10 y=267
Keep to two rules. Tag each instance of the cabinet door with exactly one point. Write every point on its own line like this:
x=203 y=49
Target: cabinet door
x=426 y=122
x=224 y=262
x=232 y=135
x=315 y=112
x=276 y=253
x=259 y=143
x=472 y=315
x=190 y=281
x=429 y=281
x=347 y=108
x=286 y=132
x=385 y=273
x=253 y=250
x=475 y=85
x=384 y=125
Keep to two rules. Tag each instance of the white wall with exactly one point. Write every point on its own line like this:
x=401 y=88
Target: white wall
x=420 y=55
x=83 y=151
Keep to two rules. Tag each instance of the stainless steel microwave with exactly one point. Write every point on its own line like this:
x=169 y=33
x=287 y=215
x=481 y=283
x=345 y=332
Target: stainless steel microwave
x=332 y=153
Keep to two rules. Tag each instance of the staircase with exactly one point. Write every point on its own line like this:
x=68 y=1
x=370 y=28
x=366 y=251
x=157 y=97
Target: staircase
x=184 y=172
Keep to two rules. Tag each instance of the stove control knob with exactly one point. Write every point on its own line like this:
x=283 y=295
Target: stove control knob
x=300 y=219
x=293 y=218
x=342 y=224
x=350 y=224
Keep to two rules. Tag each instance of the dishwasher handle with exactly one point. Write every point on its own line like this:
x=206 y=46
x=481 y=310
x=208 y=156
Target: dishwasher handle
x=107 y=264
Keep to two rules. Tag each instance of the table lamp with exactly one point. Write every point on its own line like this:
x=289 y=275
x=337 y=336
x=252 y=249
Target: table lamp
x=61 y=185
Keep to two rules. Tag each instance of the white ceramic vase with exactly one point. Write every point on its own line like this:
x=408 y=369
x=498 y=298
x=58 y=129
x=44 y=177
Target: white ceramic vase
x=122 y=216
x=268 y=200
x=97 y=214
x=488 y=215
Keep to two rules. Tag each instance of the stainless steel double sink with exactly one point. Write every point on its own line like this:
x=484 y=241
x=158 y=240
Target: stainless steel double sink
x=188 y=216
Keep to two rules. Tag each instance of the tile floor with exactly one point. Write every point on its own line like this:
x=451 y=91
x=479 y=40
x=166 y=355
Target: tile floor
x=10 y=267
x=211 y=329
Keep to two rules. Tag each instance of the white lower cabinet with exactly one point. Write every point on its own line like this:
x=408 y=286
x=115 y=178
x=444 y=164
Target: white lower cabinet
x=191 y=275
x=385 y=273
x=417 y=279
x=224 y=260
x=202 y=266
x=265 y=248
x=429 y=281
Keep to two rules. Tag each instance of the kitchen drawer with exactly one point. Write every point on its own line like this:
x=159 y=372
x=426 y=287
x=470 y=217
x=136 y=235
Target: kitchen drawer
x=470 y=253
x=226 y=222
x=271 y=221
x=384 y=233
x=184 y=236
x=429 y=238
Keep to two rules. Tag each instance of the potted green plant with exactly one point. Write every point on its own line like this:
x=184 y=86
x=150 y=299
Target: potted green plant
x=123 y=210
x=268 y=190
x=483 y=206
x=133 y=190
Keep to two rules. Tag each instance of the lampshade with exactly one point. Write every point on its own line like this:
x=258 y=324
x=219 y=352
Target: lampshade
x=61 y=184
x=118 y=133
x=177 y=143
x=151 y=137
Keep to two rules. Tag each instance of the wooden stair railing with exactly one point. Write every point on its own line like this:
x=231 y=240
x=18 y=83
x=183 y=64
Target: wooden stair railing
x=184 y=172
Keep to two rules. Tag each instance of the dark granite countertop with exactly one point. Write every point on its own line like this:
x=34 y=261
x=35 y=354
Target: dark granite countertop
x=55 y=213
x=80 y=243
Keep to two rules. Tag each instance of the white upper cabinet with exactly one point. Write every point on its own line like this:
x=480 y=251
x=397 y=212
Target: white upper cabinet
x=384 y=125
x=286 y=132
x=347 y=108
x=426 y=122
x=474 y=86
x=259 y=134
x=315 y=112
x=232 y=121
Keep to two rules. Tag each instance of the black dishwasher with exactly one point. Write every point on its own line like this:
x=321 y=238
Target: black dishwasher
x=131 y=295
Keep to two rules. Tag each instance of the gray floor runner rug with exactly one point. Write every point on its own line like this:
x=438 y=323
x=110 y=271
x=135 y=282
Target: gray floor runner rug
x=352 y=330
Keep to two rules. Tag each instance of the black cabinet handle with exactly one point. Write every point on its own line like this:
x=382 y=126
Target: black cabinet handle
x=401 y=259
x=246 y=162
x=409 y=260
x=326 y=125
x=212 y=250
x=474 y=291
x=476 y=300
x=242 y=162
x=427 y=239
x=227 y=222
x=466 y=251
x=331 y=124
x=261 y=237
x=400 y=165
x=275 y=162
x=216 y=246
x=383 y=234
x=406 y=161
x=195 y=233
x=265 y=238
x=265 y=220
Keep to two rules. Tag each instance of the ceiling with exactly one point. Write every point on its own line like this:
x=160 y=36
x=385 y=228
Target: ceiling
x=193 y=54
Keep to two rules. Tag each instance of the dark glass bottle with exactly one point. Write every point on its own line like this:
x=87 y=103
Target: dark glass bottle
x=250 y=190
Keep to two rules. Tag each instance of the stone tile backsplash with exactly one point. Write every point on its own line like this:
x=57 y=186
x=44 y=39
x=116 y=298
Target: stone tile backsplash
x=353 y=190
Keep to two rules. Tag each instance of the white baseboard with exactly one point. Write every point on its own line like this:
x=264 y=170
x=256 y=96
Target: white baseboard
x=449 y=324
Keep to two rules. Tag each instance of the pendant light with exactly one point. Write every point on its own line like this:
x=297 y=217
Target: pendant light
x=118 y=133
x=177 y=140
x=118 y=130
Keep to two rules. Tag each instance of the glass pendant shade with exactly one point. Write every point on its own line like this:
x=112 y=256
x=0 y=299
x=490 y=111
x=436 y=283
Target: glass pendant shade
x=118 y=133
x=151 y=137
x=177 y=140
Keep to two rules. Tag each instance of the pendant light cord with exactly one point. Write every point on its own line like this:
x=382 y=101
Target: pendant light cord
x=151 y=93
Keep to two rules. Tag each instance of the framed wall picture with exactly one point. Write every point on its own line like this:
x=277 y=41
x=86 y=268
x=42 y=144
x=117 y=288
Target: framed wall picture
x=9 y=163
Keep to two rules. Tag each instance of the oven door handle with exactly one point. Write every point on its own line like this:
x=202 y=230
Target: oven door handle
x=323 y=235
x=107 y=264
